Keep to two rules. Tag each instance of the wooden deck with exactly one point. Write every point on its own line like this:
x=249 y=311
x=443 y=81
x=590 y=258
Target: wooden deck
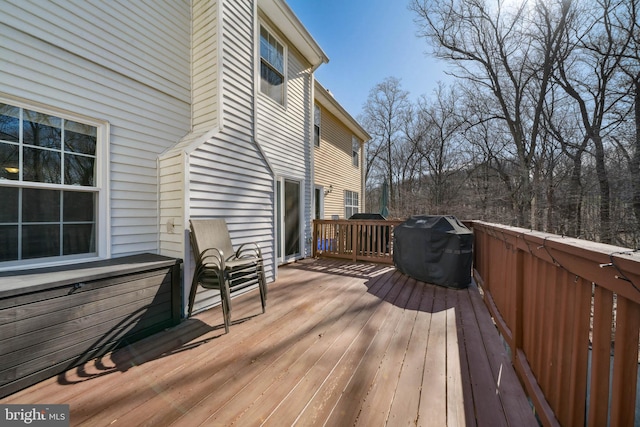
x=340 y=344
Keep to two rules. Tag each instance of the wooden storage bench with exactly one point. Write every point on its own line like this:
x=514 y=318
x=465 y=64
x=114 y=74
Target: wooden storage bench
x=53 y=319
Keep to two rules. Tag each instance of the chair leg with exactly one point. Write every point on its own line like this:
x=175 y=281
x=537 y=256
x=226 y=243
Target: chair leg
x=192 y=294
x=225 y=314
x=226 y=303
x=263 y=299
x=262 y=284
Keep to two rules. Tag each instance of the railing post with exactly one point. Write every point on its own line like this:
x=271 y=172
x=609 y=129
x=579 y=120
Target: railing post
x=486 y=266
x=314 y=238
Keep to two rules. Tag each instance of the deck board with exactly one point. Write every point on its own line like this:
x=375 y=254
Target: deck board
x=406 y=400
x=488 y=406
x=340 y=344
x=433 y=401
x=337 y=345
x=382 y=391
x=455 y=392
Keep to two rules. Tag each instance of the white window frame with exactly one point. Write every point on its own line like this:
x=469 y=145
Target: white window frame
x=317 y=120
x=259 y=65
x=351 y=203
x=100 y=187
x=355 y=151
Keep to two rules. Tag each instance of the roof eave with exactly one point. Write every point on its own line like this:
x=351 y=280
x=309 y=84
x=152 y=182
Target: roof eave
x=288 y=23
x=325 y=99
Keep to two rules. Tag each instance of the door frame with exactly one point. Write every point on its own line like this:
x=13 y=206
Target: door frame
x=318 y=190
x=280 y=232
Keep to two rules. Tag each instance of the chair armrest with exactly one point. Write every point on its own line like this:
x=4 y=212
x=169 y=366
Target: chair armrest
x=211 y=258
x=249 y=250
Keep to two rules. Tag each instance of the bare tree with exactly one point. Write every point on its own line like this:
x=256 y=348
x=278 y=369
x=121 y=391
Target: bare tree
x=589 y=74
x=509 y=52
x=626 y=19
x=491 y=176
x=383 y=116
x=546 y=111
x=562 y=124
x=441 y=145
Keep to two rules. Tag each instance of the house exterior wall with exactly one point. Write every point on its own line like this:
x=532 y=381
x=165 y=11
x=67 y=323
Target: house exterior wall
x=173 y=164
x=205 y=45
x=225 y=173
x=226 y=166
x=245 y=200
x=283 y=131
x=172 y=184
x=126 y=64
x=189 y=133
x=334 y=164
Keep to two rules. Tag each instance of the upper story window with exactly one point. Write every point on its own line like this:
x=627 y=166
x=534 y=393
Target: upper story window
x=48 y=186
x=316 y=125
x=355 y=151
x=272 y=72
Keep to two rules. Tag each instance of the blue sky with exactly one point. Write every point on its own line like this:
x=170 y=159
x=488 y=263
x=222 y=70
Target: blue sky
x=367 y=41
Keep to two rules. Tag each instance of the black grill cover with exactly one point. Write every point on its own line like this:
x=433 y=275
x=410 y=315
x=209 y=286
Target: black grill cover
x=367 y=215
x=434 y=249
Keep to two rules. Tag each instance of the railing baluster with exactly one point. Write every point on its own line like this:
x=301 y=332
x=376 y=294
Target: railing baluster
x=354 y=242
x=562 y=351
x=518 y=327
x=625 y=364
x=600 y=357
x=579 y=352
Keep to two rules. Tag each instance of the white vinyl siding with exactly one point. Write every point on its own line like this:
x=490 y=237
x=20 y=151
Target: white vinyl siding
x=333 y=162
x=125 y=65
x=171 y=204
x=229 y=179
x=131 y=39
x=228 y=176
x=173 y=166
x=284 y=134
x=237 y=51
x=205 y=41
x=243 y=183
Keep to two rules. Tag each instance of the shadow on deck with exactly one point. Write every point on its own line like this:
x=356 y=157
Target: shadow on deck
x=340 y=344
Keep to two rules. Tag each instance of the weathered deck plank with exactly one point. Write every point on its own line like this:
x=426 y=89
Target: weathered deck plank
x=433 y=402
x=381 y=394
x=346 y=410
x=340 y=344
x=406 y=402
x=322 y=402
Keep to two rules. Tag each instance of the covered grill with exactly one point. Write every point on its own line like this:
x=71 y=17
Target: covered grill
x=367 y=215
x=434 y=249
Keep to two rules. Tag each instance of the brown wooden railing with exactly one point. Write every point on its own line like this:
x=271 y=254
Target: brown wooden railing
x=356 y=240
x=569 y=310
